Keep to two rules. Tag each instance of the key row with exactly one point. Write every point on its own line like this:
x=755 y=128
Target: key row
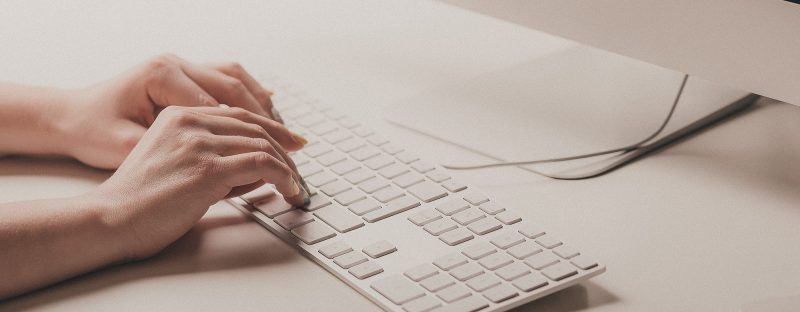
x=356 y=262
x=456 y=220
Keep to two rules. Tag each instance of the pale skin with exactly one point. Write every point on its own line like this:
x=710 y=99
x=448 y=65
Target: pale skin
x=175 y=151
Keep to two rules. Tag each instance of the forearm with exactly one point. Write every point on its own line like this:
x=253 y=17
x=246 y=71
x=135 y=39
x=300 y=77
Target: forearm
x=30 y=119
x=45 y=241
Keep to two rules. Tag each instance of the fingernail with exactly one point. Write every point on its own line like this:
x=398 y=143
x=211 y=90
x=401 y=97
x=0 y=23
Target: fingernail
x=276 y=115
x=304 y=185
x=299 y=138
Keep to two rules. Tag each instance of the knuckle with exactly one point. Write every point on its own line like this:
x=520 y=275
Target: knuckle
x=235 y=86
x=239 y=113
x=198 y=141
x=234 y=68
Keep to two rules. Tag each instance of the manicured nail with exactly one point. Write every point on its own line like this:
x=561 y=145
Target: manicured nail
x=276 y=115
x=299 y=138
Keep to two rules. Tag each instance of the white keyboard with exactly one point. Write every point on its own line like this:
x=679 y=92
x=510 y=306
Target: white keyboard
x=400 y=230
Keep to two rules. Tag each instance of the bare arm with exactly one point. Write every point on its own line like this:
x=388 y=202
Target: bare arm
x=29 y=118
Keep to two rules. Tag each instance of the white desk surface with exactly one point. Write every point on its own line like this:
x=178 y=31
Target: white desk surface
x=710 y=224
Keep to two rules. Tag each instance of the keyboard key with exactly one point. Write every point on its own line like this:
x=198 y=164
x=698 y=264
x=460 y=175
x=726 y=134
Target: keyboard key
x=337 y=136
x=321 y=179
x=408 y=179
x=513 y=271
x=293 y=219
x=450 y=261
x=348 y=197
x=335 y=187
x=559 y=271
x=452 y=206
x=427 y=191
x=483 y=282
x=334 y=250
x=379 y=162
x=508 y=217
x=260 y=194
x=531 y=231
x=583 y=262
x=479 y=250
x=393 y=170
x=423 y=304
x=317 y=150
x=476 y=198
x=565 y=252
x=365 y=153
x=362 y=131
x=468 y=216
x=299 y=159
x=420 y=272
x=392 y=208
x=377 y=140
x=365 y=270
x=309 y=169
x=313 y=232
x=492 y=208
x=363 y=206
x=468 y=304
x=495 y=261
x=350 y=145
x=454 y=186
x=485 y=225
x=500 y=293
x=387 y=194
x=348 y=123
x=379 y=249
x=541 y=260
x=457 y=236
x=507 y=240
x=422 y=166
x=548 y=241
x=339 y=218
x=359 y=175
x=344 y=167
x=372 y=185
x=397 y=289
x=324 y=128
x=424 y=217
x=440 y=226
x=391 y=149
x=466 y=271
x=317 y=202
x=437 y=282
x=453 y=293
x=310 y=120
x=273 y=207
x=524 y=250
x=350 y=259
x=331 y=158
x=437 y=176
x=530 y=282
x=406 y=157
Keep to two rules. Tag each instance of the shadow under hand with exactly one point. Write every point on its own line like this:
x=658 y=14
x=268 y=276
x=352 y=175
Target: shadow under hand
x=50 y=166
x=213 y=244
x=578 y=297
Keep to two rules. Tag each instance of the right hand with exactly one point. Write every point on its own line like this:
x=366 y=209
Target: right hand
x=188 y=160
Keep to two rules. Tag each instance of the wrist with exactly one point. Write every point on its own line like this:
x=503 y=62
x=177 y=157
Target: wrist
x=103 y=214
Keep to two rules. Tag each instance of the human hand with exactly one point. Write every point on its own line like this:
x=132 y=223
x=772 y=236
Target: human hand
x=104 y=122
x=188 y=160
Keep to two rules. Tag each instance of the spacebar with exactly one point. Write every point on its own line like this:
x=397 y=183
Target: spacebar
x=392 y=208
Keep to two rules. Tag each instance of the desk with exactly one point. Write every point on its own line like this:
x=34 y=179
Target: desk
x=709 y=224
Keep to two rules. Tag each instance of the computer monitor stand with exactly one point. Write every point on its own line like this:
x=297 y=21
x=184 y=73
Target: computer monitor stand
x=573 y=101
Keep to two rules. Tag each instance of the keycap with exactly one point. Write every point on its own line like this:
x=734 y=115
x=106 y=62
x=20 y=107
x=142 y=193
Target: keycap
x=392 y=208
x=467 y=271
x=348 y=197
x=565 y=252
x=507 y=240
x=420 y=272
x=476 y=198
x=524 y=250
x=508 y=217
x=451 y=206
x=495 y=261
x=424 y=217
x=348 y=123
x=531 y=231
x=393 y=170
x=309 y=169
x=437 y=282
x=406 y=157
x=500 y=293
x=408 y=179
x=453 y=293
x=457 y=236
x=310 y=120
x=479 y=250
x=437 y=176
x=335 y=187
x=321 y=179
x=350 y=259
x=273 y=207
x=334 y=250
x=422 y=166
x=365 y=153
x=468 y=216
x=323 y=128
x=450 y=261
x=391 y=149
x=492 y=208
x=259 y=194
x=427 y=191
x=454 y=186
x=337 y=136
x=559 y=271
x=583 y=262
x=422 y=304
x=362 y=131
x=339 y=218
x=313 y=232
x=379 y=162
x=377 y=140
x=541 y=260
x=299 y=159
x=397 y=289
x=372 y=185
x=483 y=282
x=548 y=241
x=366 y=269
x=292 y=219
x=440 y=226
x=530 y=282
x=388 y=193
x=352 y=144
x=317 y=202
x=358 y=175
x=331 y=158
x=484 y=226
x=334 y=114
x=317 y=150
x=468 y=304
x=363 y=206
x=379 y=249
x=345 y=167
x=512 y=271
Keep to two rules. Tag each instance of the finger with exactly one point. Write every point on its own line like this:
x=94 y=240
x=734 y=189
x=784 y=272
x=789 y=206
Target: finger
x=168 y=85
x=244 y=189
x=248 y=168
x=288 y=140
x=223 y=88
x=262 y=95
